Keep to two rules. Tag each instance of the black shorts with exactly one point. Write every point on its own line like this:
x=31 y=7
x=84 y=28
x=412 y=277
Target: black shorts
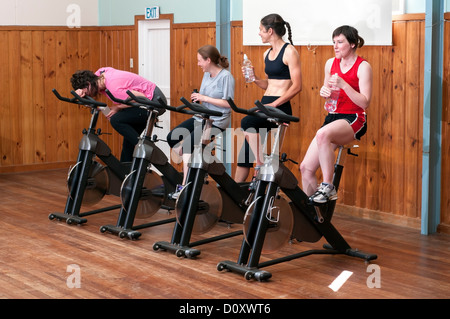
x=190 y=132
x=246 y=157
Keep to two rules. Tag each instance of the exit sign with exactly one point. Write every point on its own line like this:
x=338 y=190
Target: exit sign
x=152 y=13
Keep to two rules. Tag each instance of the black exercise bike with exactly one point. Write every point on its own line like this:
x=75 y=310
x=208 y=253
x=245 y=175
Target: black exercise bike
x=88 y=180
x=209 y=196
x=281 y=211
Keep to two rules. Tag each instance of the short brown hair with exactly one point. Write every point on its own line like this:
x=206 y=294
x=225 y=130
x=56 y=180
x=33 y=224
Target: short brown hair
x=351 y=34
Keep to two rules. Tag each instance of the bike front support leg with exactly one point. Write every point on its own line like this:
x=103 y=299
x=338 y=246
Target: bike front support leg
x=75 y=197
x=263 y=224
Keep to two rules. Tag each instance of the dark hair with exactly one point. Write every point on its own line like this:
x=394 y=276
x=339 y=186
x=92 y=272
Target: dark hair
x=351 y=35
x=83 y=79
x=278 y=25
x=210 y=51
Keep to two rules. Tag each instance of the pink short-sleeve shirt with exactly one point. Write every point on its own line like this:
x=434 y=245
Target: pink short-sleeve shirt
x=118 y=82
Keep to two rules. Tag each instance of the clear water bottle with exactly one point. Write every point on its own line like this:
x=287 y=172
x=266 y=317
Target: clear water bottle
x=248 y=70
x=331 y=102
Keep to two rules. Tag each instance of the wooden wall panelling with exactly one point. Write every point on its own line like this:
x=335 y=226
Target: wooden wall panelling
x=398 y=110
x=5 y=114
x=15 y=135
x=61 y=76
x=368 y=183
x=73 y=64
x=385 y=143
x=445 y=176
x=25 y=120
x=51 y=103
x=413 y=119
x=37 y=130
x=37 y=105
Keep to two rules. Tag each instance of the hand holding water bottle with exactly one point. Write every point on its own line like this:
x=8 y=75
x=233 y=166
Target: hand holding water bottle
x=331 y=93
x=247 y=70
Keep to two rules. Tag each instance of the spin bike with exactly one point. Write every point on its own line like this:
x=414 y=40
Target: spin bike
x=298 y=219
x=88 y=180
x=143 y=185
x=204 y=202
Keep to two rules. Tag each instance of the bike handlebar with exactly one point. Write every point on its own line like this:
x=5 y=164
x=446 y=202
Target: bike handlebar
x=88 y=100
x=266 y=112
x=65 y=99
x=195 y=108
x=128 y=101
x=252 y=111
x=199 y=108
x=78 y=99
x=274 y=112
x=160 y=104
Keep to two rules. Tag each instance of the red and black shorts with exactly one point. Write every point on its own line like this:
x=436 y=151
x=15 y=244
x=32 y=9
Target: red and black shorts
x=358 y=122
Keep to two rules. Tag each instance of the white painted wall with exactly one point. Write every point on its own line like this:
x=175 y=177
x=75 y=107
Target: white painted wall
x=69 y=13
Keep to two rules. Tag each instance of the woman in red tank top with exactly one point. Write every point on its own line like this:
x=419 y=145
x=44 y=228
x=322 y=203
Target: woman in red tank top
x=352 y=75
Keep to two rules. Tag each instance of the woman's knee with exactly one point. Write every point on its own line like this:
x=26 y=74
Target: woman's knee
x=323 y=136
x=306 y=169
x=310 y=163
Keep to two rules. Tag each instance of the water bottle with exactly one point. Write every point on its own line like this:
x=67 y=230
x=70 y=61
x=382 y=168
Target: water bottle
x=331 y=102
x=248 y=70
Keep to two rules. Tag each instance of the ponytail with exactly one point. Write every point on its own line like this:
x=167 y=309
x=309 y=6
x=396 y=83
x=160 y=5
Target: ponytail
x=288 y=26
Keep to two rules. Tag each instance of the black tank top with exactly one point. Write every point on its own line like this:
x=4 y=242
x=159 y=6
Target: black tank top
x=276 y=69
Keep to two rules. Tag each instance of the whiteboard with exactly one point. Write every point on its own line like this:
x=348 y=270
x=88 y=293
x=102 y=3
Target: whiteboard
x=313 y=21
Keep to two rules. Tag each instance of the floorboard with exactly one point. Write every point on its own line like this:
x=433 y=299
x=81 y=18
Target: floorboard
x=37 y=257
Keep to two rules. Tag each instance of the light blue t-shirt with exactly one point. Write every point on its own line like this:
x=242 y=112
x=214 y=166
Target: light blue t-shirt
x=219 y=87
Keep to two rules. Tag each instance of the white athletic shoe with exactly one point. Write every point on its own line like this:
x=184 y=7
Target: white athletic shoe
x=325 y=192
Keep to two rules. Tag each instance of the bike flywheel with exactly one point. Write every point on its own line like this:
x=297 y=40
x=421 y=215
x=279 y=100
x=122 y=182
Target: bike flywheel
x=97 y=182
x=209 y=207
x=281 y=222
x=152 y=194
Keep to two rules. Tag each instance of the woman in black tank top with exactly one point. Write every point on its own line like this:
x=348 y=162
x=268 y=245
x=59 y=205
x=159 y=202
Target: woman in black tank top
x=282 y=82
x=276 y=69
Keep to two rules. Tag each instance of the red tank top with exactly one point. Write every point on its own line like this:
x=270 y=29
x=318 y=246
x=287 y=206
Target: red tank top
x=345 y=105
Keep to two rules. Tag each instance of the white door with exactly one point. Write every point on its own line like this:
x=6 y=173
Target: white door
x=154 y=65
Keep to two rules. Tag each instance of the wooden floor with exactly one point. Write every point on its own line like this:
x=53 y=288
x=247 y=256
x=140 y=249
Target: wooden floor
x=36 y=255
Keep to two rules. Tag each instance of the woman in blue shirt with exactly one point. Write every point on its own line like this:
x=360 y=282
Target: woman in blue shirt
x=217 y=86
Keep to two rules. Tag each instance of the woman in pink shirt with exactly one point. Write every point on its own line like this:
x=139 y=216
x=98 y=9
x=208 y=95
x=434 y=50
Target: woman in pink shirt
x=128 y=121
